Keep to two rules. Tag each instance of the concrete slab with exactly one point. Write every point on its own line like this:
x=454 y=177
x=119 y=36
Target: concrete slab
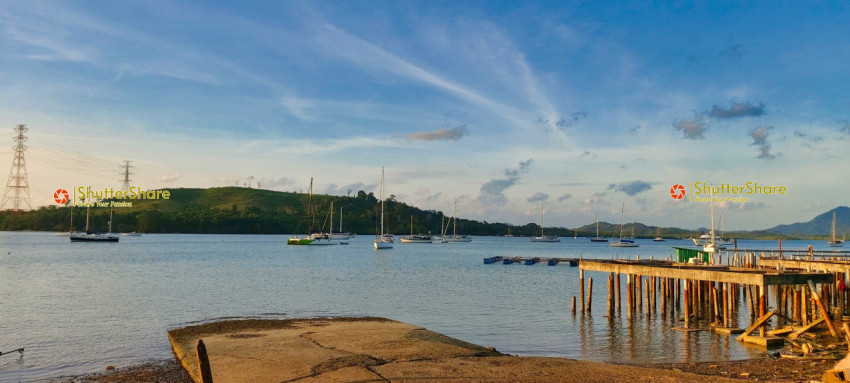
x=377 y=350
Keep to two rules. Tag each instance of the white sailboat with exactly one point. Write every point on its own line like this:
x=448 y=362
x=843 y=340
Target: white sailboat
x=711 y=246
x=597 y=238
x=833 y=242
x=382 y=241
x=622 y=242
x=658 y=237
x=454 y=237
x=543 y=237
x=416 y=238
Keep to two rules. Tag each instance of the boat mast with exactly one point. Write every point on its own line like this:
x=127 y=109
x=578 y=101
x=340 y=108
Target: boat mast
x=541 y=220
x=711 y=202
x=310 y=207
x=382 y=201
x=411 y=225
x=455 y=217
x=331 y=225
x=597 y=224
x=340 y=220
x=622 y=215
x=833 y=227
x=87 y=218
x=110 y=221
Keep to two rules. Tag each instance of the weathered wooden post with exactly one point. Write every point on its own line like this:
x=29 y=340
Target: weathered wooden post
x=574 y=305
x=581 y=287
x=204 y=362
x=589 y=293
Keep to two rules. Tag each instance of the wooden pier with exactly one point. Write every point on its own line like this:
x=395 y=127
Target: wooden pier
x=709 y=296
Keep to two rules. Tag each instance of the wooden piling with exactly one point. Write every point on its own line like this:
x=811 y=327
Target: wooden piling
x=823 y=312
x=686 y=305
x=574 y=305
x=611 y=295
x=581 y=287
x=589 y=293
x=618 y=292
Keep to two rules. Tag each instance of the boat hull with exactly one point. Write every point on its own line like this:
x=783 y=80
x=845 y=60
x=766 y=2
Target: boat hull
x=545 y=239
x=378 y=245
x=93 y=238
x=624 y=244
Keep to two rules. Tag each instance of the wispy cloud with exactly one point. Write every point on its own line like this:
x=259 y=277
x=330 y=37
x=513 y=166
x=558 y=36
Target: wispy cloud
x=538 y=197
x=631 y=188
x=564 y=197
x=168 y=178
x=736 y=110
x=692 y=129
x=493 y=191
x=340 y=43
x=759 y=136
x=441 y=134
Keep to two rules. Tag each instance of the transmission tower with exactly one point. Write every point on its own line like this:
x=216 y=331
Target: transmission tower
x=18 y=186
x=126 y=173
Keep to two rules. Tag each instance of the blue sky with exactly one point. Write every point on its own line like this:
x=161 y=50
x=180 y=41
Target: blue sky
x=495 y=105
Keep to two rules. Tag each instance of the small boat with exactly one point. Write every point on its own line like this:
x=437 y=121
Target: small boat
x=658 y=237
x=543 y=237
x=833 y=242
x=623 y=242
x=490 y=260
x=597 y=238
x=131 y=234
x=382 y=240
x=416 y=238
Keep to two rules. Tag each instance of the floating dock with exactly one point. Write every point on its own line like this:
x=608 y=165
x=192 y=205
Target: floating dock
x=531 y=260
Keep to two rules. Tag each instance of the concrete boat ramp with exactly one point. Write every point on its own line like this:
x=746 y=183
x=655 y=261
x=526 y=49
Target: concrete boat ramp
x=374 y=350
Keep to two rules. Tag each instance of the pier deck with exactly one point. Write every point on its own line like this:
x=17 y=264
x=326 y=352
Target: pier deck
x=831 y=266
x=711 y=273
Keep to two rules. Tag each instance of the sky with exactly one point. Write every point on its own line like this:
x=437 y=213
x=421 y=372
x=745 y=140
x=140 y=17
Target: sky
x=501 y=107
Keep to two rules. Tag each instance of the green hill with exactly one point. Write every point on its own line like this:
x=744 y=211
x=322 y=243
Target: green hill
x=236 y=210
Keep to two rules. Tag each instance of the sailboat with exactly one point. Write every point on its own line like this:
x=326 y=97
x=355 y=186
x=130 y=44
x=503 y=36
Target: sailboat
x=658 y=237
x=382 y=241
x=342 y=237
x=543 y=237
x=417 y=238
x=88 y=236
x=454 y=237
x=712 y=245
x=622 y=242
x=833 y=242
x=509 y=232
x=312 y=238
x=597 y=238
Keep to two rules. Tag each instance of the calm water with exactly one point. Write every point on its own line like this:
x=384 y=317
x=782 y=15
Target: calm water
x=83 y=306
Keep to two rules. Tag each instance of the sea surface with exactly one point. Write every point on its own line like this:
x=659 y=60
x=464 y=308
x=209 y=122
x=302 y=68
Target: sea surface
x=79 y=307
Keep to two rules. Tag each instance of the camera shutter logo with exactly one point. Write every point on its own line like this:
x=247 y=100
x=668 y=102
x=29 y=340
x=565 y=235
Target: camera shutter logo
x=60 y=196
x=677 y=191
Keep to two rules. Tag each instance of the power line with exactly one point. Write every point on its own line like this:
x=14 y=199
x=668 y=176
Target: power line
x=18 y=182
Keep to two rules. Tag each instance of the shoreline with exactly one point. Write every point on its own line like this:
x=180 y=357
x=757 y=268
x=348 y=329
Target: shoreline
x=438 y=355
x=762 y=370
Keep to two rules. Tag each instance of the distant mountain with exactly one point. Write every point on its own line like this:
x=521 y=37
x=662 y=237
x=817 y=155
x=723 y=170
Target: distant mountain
x=820 y=225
